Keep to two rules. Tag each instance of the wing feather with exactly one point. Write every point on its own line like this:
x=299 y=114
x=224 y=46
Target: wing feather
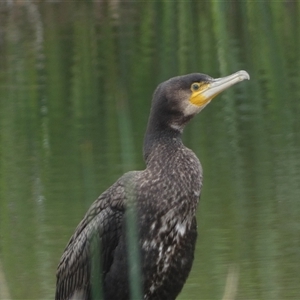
x=98 y=231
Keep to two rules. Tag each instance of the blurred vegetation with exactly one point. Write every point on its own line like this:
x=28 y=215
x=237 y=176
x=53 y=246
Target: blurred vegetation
x=76 y=79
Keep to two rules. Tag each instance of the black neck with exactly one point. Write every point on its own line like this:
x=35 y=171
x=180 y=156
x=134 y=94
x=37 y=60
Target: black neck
x=155 y=136
x=159 y=129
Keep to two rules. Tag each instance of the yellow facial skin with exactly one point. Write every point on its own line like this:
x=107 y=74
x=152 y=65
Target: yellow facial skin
x=197 y=97
x=203 y=92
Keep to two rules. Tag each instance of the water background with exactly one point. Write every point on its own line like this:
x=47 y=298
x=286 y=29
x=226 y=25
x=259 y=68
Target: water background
x=76 y=81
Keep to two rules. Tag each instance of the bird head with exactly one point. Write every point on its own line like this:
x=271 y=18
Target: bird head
x=178 y=99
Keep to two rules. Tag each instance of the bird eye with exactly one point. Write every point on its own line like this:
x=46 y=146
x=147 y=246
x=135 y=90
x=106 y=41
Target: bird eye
x=195 y=86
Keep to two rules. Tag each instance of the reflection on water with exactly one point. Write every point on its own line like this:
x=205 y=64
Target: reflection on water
x=75 y=87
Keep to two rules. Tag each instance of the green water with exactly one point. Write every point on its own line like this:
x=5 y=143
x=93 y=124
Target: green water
x=76 y=81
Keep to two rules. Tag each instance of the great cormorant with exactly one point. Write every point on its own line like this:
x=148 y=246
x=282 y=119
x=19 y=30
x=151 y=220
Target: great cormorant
x=166 y=193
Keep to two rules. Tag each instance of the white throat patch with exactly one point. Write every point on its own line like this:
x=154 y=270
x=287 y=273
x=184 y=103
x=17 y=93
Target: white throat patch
x=192 y=109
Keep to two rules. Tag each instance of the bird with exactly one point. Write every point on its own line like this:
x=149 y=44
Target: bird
x=166 y=195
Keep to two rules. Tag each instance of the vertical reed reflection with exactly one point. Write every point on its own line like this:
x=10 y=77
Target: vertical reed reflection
x=76 y=81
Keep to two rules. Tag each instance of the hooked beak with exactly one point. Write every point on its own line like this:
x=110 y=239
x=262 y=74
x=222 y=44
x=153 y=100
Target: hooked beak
x=218 y=85
x=213 y=87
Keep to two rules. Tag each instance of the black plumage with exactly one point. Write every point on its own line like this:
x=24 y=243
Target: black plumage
x=166 y=195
